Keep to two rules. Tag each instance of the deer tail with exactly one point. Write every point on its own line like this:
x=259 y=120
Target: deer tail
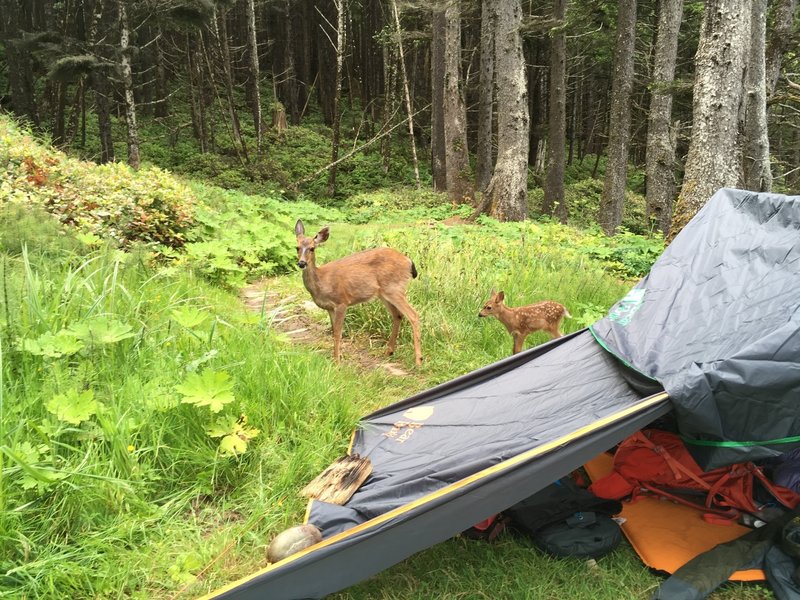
x=413 y=270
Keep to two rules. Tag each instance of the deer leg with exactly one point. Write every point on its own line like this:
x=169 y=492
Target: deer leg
x=519 y=339
x=396 y=318
x=401 y=304
x=337 y=322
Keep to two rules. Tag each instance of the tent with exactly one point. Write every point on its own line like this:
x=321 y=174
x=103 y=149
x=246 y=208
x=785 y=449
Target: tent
x=712 y=333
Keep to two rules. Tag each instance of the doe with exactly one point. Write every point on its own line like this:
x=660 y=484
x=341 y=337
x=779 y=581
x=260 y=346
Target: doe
x=378 y=273
x=524 y=320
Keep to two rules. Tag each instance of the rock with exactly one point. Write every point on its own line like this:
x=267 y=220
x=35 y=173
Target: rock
x=292 y=540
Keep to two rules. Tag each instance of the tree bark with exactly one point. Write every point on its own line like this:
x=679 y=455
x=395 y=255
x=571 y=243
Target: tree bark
x=127 y=81
x=780 y=40
x=507 y=193
x=255 y=71
x=94 y=17
x=613 y=198
x=661 y=140
x=712 y=162
x=406 y=92
x=220 y=31
x=20 y=66
x=554 y=202
x=438 y=153
x=484 y=160
x=337 y=95
x=459 y=185
x=756 y=170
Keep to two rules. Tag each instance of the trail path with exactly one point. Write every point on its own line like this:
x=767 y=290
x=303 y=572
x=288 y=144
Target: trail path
x=297 y=317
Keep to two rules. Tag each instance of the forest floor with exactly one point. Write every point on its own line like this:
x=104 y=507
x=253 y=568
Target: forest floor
x=298 y=319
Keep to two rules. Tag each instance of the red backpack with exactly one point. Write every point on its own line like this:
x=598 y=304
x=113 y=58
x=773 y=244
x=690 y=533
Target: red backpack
x=658 y=461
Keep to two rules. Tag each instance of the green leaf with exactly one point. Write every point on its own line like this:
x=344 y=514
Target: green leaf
x=61 y=344
x=189 y=317
x=235 y=435
x=73 y=407
x=232 y=445
x=102 y=330
x=209 y=388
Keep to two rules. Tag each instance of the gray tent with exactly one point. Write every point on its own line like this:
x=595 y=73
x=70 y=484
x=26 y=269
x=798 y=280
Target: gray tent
x=712 y=332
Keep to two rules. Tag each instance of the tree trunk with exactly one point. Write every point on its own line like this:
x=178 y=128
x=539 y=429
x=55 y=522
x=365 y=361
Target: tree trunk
x=756 y=171
x=507 y=193
x=554 y=202
x=712 y=162
x=127 y=81
x=406 y=92
x=94 y=17
x=162 y=88
x=438 y=153
x=220 y=31
x=254 y=77
x=459 y=185
x=484 y=162
x=613 y=199
x=337 y=96
x=19 y=69
x=660 y=161
x=780 y=40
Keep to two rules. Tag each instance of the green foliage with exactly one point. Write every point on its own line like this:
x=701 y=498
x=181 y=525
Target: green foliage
x=110 y=201
x=31 y=227
x=241 y=237
x=583 y=199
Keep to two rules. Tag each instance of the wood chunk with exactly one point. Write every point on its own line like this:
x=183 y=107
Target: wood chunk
x=339 y=482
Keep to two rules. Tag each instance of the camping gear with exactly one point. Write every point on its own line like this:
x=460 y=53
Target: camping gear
x=659 y=462
x=667 y=535
x=564 y=519
x=488 y=529
x=706 y=572
x=338 y=482
x=716 y=324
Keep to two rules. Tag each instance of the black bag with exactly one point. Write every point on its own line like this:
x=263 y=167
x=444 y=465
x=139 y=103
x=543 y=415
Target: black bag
x=564 y=519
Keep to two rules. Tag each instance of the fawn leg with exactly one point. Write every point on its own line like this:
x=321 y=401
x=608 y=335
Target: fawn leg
x=408 y=311
x=518 y=341
x=337 y=321
x=396 y=318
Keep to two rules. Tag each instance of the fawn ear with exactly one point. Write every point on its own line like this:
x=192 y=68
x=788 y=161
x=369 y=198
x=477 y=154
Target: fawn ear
x=322 y=235
x=501 y=296
x=298 y=228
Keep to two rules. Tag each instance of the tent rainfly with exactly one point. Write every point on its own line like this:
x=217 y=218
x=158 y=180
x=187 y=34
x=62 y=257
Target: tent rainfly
x=712 y=333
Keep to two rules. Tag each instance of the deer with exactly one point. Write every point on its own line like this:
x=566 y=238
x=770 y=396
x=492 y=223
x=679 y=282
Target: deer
x=524 y=320
x=377 y=273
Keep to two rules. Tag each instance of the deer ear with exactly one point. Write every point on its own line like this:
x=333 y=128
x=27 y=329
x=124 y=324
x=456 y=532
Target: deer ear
x=501 y=296
x=322 y=235
x=298 y=228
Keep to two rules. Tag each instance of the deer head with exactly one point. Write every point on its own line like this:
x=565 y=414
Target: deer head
x=306 y=245
x=490 y=306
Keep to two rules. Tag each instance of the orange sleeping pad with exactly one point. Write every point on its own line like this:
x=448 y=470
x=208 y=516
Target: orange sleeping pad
x=667 y=535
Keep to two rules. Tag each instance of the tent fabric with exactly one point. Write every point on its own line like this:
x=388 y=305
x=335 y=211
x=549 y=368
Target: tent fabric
x=453 y=455
x=717 y=323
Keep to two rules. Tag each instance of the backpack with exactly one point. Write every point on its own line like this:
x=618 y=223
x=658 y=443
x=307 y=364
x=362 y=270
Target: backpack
x=565 y=519
x=659 y=462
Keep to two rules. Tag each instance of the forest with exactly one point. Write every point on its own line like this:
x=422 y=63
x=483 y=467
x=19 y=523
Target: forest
x=167 y=385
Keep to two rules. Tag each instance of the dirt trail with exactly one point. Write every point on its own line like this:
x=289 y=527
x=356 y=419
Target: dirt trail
x=289 y=313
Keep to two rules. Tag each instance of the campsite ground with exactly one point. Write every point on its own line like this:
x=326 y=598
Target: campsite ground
x=156 y=425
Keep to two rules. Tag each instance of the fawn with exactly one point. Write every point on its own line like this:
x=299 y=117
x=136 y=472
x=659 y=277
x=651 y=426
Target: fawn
x=524 y=320
x=381 y=272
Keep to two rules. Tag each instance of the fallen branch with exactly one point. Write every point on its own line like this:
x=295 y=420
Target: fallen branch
x=300 y=182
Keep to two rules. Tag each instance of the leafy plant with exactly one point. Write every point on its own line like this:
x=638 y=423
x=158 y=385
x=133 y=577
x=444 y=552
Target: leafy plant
x=208 y=388
x=73 y=407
